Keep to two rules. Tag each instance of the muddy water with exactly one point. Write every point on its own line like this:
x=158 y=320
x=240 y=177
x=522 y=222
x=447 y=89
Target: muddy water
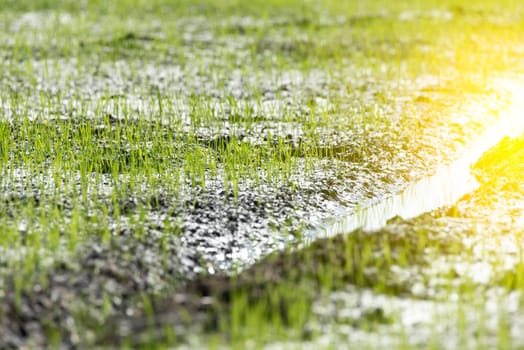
x=445 y=187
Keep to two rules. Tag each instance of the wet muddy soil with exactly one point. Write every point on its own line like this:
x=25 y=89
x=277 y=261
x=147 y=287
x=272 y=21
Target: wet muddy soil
x=215 y=231
x=403 y=283
x=337 y=131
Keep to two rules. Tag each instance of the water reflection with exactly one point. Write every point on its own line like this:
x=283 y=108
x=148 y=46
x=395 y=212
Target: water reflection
x=445 y=187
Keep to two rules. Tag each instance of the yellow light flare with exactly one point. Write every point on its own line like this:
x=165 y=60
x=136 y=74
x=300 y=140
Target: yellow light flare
x=509 y=124
x=453 y=181
x=500 y=169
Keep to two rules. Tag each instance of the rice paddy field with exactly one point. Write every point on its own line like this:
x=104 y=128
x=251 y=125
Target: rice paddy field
x=261 y=175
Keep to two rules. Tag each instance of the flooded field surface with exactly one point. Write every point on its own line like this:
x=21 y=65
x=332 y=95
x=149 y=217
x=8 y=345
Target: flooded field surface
x=264 y=174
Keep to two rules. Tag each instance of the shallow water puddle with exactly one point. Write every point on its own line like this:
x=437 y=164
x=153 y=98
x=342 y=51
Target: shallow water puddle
x=445 y=187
